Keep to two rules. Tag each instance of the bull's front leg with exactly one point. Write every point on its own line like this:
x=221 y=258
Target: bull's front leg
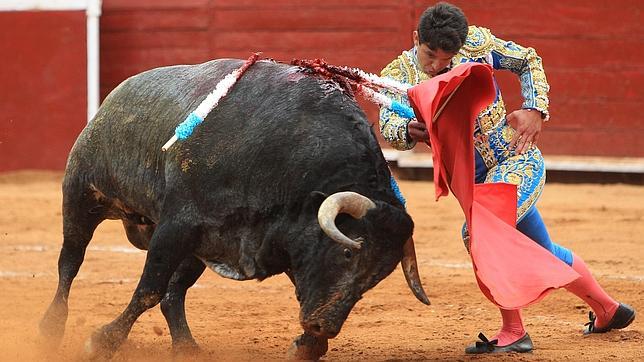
x=308 y=347
x=170 y=244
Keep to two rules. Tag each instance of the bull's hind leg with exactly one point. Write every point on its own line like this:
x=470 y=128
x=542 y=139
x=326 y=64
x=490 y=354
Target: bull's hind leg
x=173 y=304
x=171 y=243
x=81 y=215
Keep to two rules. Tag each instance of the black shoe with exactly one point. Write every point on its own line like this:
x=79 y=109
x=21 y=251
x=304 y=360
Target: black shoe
x=624 y=315
x=524 y=344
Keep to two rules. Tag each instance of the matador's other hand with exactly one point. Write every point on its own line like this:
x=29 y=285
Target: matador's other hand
x=527 y=123
x=417 y=131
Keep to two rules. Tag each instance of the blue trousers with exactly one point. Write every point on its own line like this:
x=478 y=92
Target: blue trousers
x=532 y=226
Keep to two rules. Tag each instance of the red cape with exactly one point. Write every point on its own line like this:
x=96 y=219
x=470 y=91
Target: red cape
x=512 y=270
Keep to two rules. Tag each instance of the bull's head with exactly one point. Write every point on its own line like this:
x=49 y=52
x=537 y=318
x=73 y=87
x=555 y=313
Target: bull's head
x=361 y=243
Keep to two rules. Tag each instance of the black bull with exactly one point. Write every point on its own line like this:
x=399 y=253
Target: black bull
x=262 y=187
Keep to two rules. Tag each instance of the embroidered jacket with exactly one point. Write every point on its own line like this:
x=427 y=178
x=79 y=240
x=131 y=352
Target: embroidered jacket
x=480 y=46
x=492 y=133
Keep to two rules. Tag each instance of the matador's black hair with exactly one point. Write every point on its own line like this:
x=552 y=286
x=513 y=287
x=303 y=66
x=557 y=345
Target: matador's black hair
x=443 y=26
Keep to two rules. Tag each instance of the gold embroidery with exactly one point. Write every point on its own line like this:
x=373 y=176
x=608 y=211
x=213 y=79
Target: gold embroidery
x=491 y=116
x=507 y=133
x=393 y=127
x=478 y=42
x=532 y=199
x=410 y=63
x=482 y=145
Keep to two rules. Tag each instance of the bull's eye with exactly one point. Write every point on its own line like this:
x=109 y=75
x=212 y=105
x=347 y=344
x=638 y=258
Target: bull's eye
x=347 y=253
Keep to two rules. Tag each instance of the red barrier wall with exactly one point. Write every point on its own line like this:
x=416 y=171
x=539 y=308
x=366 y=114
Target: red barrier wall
x=43 y=87
x=591 y=50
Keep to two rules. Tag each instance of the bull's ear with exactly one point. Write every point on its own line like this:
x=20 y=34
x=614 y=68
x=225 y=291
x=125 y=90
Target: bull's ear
x=393 y=221
x=313 y=202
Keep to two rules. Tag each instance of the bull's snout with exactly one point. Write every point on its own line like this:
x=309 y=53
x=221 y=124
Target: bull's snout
x=322 y=330
x=325 y=316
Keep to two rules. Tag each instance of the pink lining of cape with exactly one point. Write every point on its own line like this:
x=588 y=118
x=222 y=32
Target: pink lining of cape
x=511 y=270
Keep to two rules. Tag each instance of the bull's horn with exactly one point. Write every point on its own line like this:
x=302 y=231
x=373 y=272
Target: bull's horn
x=346 y=202
x=410 y=268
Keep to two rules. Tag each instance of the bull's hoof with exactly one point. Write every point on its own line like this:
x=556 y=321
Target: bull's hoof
x=308 y=348
x=185 y=350
x=103 y=343
x=52 y=326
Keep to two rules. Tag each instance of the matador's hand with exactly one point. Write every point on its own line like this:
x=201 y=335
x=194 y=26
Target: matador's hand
x=527 y=123
x=417 y=131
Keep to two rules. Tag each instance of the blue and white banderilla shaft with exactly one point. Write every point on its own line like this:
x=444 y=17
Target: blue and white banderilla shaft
x=196 y=117
x=383 y=101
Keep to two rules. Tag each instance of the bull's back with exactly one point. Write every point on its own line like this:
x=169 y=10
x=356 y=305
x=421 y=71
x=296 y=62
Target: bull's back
x=274 y=120
x=119 y=152
x=278 y=135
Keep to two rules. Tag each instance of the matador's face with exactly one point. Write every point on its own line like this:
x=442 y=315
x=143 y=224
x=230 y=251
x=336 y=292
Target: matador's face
x=432 y=61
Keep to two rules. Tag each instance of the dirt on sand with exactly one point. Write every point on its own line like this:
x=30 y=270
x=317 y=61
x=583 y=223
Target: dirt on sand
x=249 y=320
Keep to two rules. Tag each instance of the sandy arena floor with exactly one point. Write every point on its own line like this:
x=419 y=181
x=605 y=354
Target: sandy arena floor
x=257 y=321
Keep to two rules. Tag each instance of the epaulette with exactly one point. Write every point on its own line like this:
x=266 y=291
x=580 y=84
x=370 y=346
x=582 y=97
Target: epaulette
x=404 y=69
x=479 y=42
x=392 y=70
